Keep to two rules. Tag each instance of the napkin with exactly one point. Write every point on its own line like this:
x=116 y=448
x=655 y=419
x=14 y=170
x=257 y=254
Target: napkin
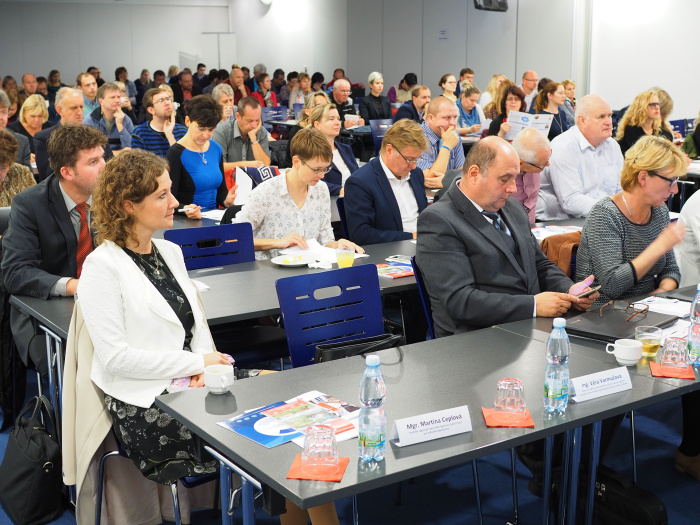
x=491 y=421
x=296 y=473
x=324 y=265
x=683 y=373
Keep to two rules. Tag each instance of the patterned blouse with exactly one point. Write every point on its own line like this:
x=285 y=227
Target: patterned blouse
x=18 y=179
x=273 y=214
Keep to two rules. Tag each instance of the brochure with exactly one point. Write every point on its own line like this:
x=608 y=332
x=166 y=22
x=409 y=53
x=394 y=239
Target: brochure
x=519 y=121
x=394 y=270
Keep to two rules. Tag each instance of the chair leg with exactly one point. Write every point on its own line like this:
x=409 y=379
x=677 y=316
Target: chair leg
x=355 y=514
x=100 y=483
x=515 y=485
x=476 y=492
x=176 y=504
x=634 y=449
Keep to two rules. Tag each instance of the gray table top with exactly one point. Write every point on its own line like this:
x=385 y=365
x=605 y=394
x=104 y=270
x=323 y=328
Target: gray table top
x=237 y=292
x=421 y=378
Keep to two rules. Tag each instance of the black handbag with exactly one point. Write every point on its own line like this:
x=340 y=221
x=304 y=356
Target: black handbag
x=332 y=351
x=30 y=473
x=618 y=501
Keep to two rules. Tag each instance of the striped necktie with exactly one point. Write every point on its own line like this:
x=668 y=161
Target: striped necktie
x=84 y=238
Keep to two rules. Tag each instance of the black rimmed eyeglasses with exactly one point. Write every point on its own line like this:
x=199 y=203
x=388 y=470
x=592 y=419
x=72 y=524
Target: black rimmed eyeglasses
x=409 y=162
x=541 y=168
x=670 y=181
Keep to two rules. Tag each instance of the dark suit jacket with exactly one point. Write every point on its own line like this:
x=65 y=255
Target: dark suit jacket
x=372 y=213
x=370 y=111
x=473 y=279
x=409 y=111
x=24 y=152
x=177 y=92
x=334 y=179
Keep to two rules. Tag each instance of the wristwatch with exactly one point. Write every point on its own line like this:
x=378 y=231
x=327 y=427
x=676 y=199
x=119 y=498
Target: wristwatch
x=255 y=142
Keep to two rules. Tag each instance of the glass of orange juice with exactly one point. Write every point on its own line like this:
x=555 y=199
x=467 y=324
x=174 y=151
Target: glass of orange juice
x=345 y=256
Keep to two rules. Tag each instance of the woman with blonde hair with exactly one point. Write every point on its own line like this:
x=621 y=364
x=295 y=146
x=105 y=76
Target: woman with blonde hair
x=315 y=99
x=491 y=89
x=643 y=117
x=548 y=101
x=33 y=116
x=302 y=91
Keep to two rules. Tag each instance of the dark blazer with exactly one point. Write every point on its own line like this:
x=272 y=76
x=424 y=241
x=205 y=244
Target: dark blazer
x=24 y=153
x=372 y=213
x=408 y=110
x=370 y=111
x=334 y=179
x=473 y=279
x=179 y=97
x=19 y=129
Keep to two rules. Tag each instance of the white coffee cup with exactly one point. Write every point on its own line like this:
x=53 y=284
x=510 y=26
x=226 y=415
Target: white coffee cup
x=218 y=378
x=627 y=351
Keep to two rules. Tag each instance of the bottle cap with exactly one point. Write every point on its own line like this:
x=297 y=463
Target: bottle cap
x=559 y=322
x=372 y=360
x=698 y=288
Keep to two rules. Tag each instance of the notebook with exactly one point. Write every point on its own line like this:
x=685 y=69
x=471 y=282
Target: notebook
x=684 y=294
x=614 y=325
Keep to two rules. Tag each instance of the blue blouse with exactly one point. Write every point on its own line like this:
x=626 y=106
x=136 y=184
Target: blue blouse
x=467 y=119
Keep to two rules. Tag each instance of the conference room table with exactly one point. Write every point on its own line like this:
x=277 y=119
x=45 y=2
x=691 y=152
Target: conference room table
x=421 y=378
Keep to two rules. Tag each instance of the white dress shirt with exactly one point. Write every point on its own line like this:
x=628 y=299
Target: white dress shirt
x=405 y=198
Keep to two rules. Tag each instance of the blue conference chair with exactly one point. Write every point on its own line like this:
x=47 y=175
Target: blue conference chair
x=329 y=307
x=679 y=126
x=340 y=203
x=379 y=128
x=209 y=246
x=424 y=298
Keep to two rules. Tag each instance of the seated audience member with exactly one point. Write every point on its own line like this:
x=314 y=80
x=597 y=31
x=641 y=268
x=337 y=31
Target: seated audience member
x=197 y=163
x=448 y=84
x=465 y=75
x=340 y=96
x=223 y=94
x=127 y=108
x=221 y=78
x=317 y=82
x=490 y=93
x=97 y=75
x=585 y=164
x=292 y=208
x=570 y=101
x=301 y=91
x=143 y=84
x=513 y=100
x=384 y=197
x=201 y=78
x=339 y=74
x=688 y=251
x=375 y=106
x=319 y=98
x=121 y=75
x=159 y=78
x=445 y=150
x=278 y=83
x=87 y=84
x=13 y=114
x=244 y=140
x=110 y=119
x=325 y=118
x=493 y=109
x=186 y=89
x=237 y=82
x=28 y=87
x=264 y=94
x=42 y=88
x=666 y=108
x=534 y=150
x=401 y=92
x=288 y=87
x=33 y=117
x=40 y=258
x=480 y=262
x=252 y=81
x=643 y=117
x=691 y=144
x=414 y=108
x=24 y=156
x=14 y=177
x=548 y=101
x=173 y=72
x=627 y=241
x=8 y=83
x=470 y=113
x=161 y=132
x=69 y=105
x=529 y=85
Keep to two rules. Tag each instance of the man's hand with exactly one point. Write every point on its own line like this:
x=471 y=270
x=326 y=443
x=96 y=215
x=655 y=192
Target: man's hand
x=253 y=133
x=450 y=137
x=192 y=211
x=71 y=287
x=554 y=304
x=228 y=110
x=360 y=121
x=168 y=127
x=231 y=197
x=433 y=179
x=119 y=119
x=291 y=240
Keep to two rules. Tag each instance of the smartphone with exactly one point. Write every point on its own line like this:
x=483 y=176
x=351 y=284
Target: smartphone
x=589 y=292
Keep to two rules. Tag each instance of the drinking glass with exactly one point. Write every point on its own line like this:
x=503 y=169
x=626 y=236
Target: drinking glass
x=510 y=399
x=650 y=336
x=320 y=454
x=345 y=257
x=674 y=353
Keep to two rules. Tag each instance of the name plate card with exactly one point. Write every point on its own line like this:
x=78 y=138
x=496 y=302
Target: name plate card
x=435 y=425
x=601 y=384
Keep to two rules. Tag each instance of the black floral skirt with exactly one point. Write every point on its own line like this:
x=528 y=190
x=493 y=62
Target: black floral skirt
x=160 y=447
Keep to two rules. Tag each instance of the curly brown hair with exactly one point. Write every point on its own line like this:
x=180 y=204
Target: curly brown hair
x=132 y=176
x=8 y=148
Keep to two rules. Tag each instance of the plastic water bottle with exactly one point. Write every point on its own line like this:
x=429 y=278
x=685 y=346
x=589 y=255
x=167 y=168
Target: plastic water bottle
x=694 y=330
x=556 y=375
x=372 y=417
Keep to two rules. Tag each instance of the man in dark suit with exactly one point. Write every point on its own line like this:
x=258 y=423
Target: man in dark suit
x=186 y=89
x=480 y=262
x=24 y=151
x=384 y=197
x=48 y=224
x=415 y=108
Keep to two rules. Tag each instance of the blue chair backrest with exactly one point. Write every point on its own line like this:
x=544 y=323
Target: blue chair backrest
x=297 y=110
x=679 y=126
x=208 y=246
x=424 y=297
x=273 y=113
x=312 y=318
x=340 y=203
x=379 y=128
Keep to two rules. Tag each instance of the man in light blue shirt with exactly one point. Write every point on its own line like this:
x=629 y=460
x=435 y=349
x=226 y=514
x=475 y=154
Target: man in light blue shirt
x=585 y=165
x=445 y=150
x=88 y=85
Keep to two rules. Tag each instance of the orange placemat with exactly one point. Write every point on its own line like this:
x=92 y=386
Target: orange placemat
x=296 y=473
x=682 y=373
x=493 y=421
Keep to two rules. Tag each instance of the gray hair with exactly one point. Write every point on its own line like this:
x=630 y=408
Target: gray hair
x=4 y=100
x=528 y=143
x=336 y=86
x=64 y=92
x=584 y=105
x=374 y=76
x=259 y=68
x=221 y=89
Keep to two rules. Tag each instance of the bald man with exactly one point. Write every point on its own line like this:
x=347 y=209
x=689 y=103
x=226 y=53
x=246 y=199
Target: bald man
x=445 y=150
x=479 y=260
x=529 y=86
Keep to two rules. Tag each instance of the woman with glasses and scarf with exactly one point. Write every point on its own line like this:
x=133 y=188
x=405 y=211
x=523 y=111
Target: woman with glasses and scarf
x=627 y=241
x=643 y=117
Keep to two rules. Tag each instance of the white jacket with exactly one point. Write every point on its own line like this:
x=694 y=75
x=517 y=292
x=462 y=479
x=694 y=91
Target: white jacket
x=138 y=339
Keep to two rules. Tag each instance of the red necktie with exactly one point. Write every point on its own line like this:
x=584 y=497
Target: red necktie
x=84 y=239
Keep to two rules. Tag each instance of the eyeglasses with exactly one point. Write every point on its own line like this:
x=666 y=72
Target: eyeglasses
x=409 y=162
x=344 y=91
x=624 y=306
x=541 y=168
x=322 y=171
x=163 y=100
x=531 y=79
x=671 y=182
x=654 y=104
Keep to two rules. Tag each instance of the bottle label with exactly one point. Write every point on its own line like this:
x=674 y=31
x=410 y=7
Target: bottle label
x=372 y=440
x=556 y=389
